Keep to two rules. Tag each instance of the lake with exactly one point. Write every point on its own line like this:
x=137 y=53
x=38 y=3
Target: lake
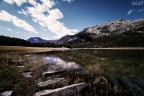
x=108 y=62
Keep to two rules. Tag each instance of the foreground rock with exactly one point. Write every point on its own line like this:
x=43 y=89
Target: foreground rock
x=50 y=82
x=64 y=91
x=6 y=93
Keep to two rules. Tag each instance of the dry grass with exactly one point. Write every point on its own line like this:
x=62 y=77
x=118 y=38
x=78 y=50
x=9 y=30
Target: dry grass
x=29 y=49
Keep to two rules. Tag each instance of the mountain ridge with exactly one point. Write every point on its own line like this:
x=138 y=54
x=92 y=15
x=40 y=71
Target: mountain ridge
x=118 y=33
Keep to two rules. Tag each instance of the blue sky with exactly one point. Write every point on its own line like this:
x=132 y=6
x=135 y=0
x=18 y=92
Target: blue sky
x=52 y=19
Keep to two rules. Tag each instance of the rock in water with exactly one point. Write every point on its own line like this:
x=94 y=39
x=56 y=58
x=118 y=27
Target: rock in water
x=6 y=93
x=139 y=81
x=131 y=87
x=64 y=91
x=50 y=82
x=27 y=74
x=52 y=73
x=101 y=86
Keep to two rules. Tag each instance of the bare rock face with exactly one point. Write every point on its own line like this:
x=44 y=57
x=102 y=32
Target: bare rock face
x=115 y=27
x=111 y=28
x=64 y=91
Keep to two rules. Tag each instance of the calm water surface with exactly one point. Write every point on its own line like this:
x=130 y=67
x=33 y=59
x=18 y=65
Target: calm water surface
x=110 y=62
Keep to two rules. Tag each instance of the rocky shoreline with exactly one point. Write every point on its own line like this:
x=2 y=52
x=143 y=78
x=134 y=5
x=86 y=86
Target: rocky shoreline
x=75 y=84
x=69 y=79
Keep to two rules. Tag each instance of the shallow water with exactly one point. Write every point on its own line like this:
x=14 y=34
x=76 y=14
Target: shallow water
x=111 y=62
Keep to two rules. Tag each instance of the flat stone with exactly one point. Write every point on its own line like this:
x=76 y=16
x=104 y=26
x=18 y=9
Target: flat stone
x=6 y=93
x=50 y=82
x=64 y=91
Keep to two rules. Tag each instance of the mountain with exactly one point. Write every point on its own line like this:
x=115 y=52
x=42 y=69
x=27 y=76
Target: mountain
x=119 y=33
x=37 y=40
x=40 y=40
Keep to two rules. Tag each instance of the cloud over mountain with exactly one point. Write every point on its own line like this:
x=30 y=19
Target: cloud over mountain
x=44 y=13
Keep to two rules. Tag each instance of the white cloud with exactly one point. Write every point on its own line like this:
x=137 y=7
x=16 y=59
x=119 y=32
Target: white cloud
x=135 y=11
x=32 y=2
x=17 y=2
x=17 y=32
x=5 y=16
x=141 y=10
x=51 y=19
x=129 y=12
x=8 y=29
x=44 y=14
x=23 y=12
x=68 y=0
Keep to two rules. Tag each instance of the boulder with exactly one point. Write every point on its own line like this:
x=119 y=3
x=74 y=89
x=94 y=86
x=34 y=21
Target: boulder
x=64 y=91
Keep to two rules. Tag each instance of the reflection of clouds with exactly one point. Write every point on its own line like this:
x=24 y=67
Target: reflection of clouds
x=50 y=60
x=54 y=62
x=95 y=52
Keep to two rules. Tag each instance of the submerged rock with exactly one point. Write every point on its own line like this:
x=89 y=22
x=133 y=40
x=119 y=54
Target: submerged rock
x=6 y=93
x=50 y=82
x=100 y=79
x=21 y=66
x=64 y=91
x=101 y=86
x=131 y=87
x=52 y=73
x=139 y=81
x=27 y=74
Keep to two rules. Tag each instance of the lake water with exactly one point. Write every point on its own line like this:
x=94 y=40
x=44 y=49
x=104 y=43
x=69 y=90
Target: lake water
x=109 y=62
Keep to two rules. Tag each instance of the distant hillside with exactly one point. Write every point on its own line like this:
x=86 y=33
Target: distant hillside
x=39 y=40
x=36 y=40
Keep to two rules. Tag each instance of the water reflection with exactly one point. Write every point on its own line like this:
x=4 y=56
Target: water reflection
x=113 y=62
x=54 y=64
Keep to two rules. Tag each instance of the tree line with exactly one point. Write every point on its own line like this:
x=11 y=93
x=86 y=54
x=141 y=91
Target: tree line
x=11 y=41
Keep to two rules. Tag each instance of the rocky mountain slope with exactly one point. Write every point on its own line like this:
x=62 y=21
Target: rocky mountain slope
x=105 y=35
x=119 y=33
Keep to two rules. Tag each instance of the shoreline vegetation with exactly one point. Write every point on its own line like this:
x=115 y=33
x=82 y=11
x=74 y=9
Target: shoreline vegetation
x=24 y=75
x=29 y=49
x=47 y=49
